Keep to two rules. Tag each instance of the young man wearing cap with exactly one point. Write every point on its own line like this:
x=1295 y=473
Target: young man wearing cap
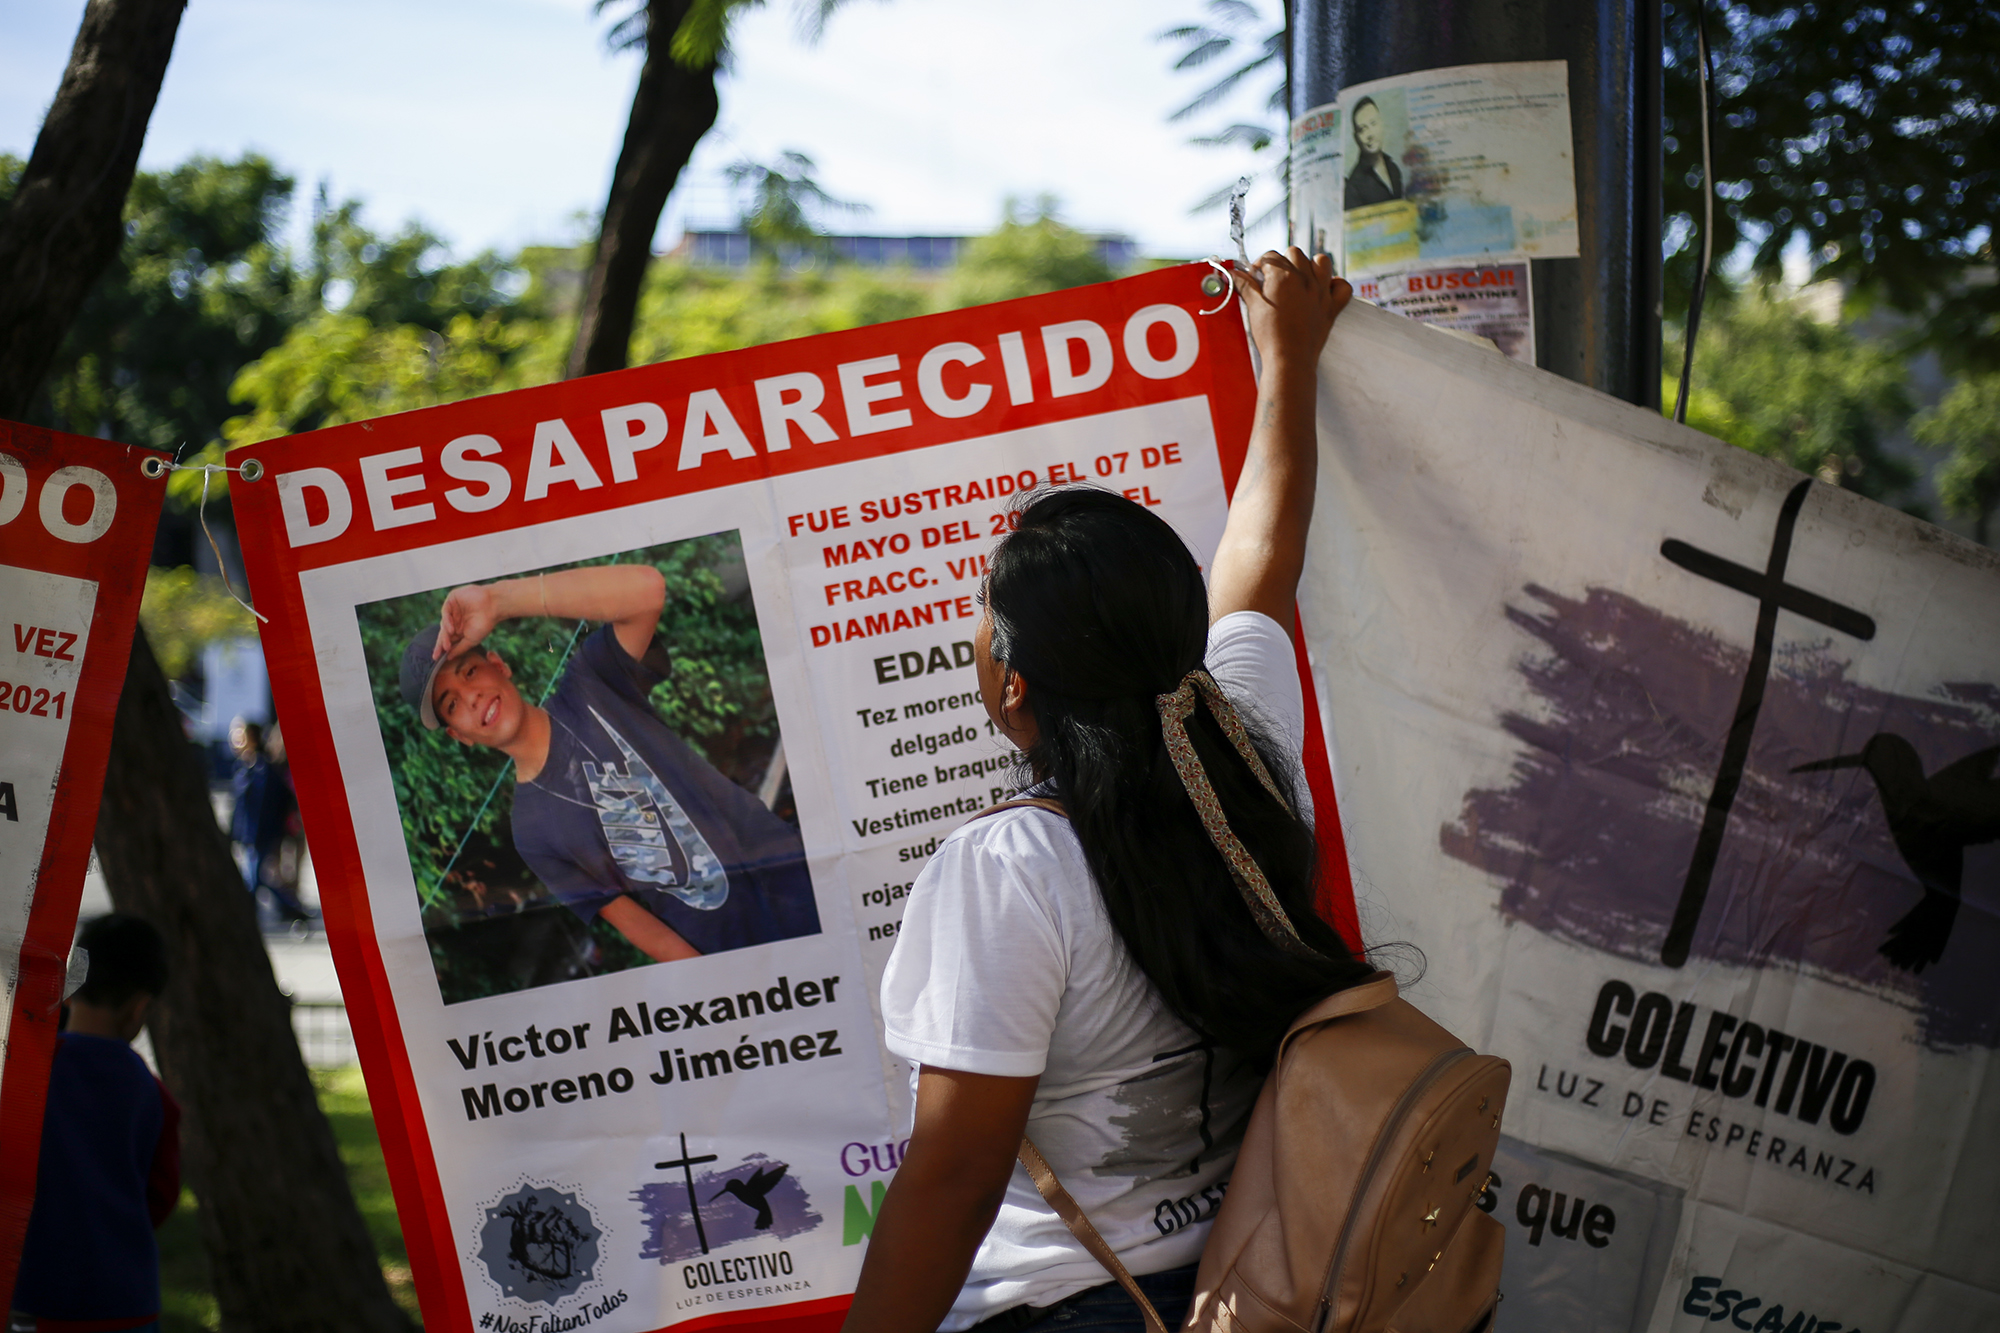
x=612 y=811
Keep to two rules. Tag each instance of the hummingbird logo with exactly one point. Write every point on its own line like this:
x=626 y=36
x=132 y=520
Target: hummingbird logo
x=685 y=1220
x=753 y=1192
x=1932 y=820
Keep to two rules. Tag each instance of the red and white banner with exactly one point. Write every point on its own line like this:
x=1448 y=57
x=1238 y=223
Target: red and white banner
x=610 y=932
x=1684 y=772
x=76 y=529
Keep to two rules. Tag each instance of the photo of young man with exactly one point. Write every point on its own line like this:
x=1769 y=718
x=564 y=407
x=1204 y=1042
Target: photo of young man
x=617 y=816
x=1376 y=179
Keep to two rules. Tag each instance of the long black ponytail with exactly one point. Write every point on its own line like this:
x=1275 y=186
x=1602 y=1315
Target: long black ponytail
x=1098 y=604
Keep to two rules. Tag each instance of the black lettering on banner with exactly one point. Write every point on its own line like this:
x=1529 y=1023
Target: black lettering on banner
x=1671 y=1065
x=1737 y=1076
x=746 y=1056
x=1539 y=1209
x=1707 y=1298
x=1731 y=1056
x=1649 y=1031
x=1604 y=1037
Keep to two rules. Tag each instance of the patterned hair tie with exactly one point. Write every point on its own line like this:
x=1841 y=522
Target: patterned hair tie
x=1175 y=707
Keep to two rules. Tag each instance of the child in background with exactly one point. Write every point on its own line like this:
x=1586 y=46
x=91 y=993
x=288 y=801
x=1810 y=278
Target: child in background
x=110 y=1160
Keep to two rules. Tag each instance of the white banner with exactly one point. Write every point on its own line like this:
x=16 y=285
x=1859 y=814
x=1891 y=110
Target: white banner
x=1680 y=769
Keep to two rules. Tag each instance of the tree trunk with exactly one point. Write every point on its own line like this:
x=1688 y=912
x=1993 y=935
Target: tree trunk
x=672 y=108
x=287 y=1247
x=286 y=1244
x=65 y=222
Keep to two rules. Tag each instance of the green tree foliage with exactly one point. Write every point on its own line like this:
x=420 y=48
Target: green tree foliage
x=492 y=926
x=1866 y=131
x=183 y=612
x=198 y=289
x=1772 y=379
x=336 y=367
x=1966 y=428
x=204 y=287
x=1031 y=253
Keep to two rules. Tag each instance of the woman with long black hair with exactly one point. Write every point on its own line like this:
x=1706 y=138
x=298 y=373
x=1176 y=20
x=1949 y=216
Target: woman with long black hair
x=1114 y=983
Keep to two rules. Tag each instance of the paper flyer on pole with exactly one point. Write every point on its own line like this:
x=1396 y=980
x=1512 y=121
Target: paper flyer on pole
x=1452 y=165
x=1316 y=187
x=1442 y=186
x=1683 y=770
x=708 y=700
x=1491 y=301
x=76 y=529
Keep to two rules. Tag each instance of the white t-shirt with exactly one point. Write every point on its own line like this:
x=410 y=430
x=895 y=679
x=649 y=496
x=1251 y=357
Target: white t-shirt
x=1007 y=964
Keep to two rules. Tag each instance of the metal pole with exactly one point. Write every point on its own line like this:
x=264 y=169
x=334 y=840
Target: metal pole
x=1597 y=317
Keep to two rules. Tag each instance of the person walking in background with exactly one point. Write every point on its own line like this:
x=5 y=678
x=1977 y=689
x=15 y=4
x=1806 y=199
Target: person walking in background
x=110 y=1157
x=263 y=804
x=288 y=866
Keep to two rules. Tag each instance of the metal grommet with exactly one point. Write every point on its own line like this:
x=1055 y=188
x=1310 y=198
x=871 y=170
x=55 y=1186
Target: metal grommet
x=1211 y=283
x=153 y=467
x=251 y=469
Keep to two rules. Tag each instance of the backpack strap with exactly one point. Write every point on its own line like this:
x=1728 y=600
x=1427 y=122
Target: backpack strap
x=1075 y=1219
x=1373 y=993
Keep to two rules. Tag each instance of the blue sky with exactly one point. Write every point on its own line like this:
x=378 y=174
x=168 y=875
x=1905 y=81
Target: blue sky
x=496 y=122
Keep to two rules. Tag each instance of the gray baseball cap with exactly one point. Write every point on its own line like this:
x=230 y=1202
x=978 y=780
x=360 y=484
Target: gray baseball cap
x=420 y=671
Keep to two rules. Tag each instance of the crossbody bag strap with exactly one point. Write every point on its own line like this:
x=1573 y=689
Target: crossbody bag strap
x=1075 y=1219
x=1044 y=1175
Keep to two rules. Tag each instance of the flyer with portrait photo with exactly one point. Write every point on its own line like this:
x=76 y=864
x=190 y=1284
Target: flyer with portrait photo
x=1469 y=164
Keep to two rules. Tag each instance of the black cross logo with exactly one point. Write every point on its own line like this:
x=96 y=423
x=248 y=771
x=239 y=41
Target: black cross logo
x=1773 y=595
x=687 y=1165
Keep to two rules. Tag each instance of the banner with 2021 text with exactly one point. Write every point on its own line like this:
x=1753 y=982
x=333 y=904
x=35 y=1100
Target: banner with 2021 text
x=611 y=880
x=76 y=526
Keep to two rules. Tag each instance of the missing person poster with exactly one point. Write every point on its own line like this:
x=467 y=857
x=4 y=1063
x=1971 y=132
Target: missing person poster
x=624 y=712
x=1315 y=189
x=1491 y=301
x=1444 y=166
x=76 y=528
x=1683 y=770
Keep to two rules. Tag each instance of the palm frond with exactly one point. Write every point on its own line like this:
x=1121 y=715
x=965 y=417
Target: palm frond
x=1218 y=90
x=702 y=39
x=1210 y=45
x=813 y=16
x=1259 y=137
x=628 y=33
x=1235 y=11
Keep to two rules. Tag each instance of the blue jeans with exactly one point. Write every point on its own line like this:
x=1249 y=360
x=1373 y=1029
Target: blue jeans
x=1105 y=1309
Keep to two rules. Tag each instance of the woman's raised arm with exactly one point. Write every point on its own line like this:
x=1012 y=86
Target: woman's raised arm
x=1263 y=549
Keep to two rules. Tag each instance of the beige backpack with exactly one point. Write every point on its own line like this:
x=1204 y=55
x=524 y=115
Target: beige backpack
x=1351 y=1206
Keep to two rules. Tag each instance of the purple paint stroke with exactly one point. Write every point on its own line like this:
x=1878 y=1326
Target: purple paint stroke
x=669 y=1227
x=1592 y=836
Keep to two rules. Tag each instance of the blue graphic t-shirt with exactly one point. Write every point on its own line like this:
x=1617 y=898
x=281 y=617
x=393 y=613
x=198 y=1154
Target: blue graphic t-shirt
x=622 y=805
